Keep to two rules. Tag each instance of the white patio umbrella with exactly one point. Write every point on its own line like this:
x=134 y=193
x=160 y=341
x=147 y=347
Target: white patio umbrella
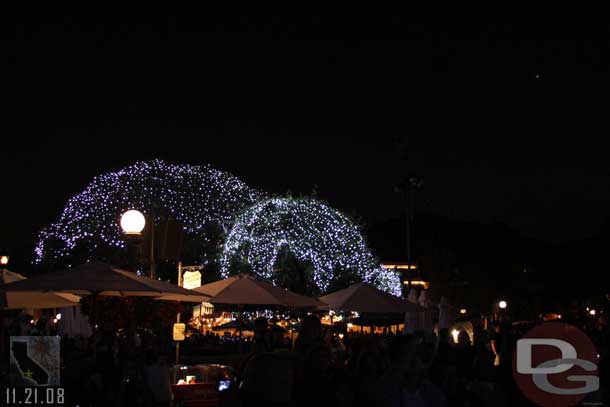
x=412 y=295
x=443 y=314
x=419 y=321
x=423 y=299
x=30 y=300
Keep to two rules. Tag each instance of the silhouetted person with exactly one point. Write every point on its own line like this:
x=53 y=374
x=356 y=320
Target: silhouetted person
x=268 y=376
x=262 y=340
x=443 y=371
x=156 y=378
x=368 y=367
x=484 y=357
x=497 y=344
x=464 y=355
x=406 y=382
x=313 y=383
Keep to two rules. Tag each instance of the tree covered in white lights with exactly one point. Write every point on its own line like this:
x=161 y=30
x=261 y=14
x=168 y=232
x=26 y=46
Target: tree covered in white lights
x=328 y=245
x=196 y=197
x=224 y=220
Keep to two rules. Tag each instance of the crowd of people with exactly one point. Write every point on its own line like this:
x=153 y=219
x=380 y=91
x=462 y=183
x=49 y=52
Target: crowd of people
x=228 y=342
x=418 y=369
x=321 y=367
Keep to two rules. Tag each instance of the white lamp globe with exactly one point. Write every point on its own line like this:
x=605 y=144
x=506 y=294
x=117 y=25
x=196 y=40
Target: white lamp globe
x=133 y=222
x=502 y=304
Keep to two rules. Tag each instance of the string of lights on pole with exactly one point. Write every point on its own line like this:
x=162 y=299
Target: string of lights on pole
x=313 y=232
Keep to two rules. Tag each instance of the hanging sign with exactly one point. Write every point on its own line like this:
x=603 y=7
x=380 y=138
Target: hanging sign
x=191 y=279
x=179 y=329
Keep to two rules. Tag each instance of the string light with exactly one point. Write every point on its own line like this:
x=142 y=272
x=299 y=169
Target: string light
x=193 y=195
x=313 y=232
x=197 y=196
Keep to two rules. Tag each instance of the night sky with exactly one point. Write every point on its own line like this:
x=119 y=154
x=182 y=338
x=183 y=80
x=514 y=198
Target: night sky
x=505 y=124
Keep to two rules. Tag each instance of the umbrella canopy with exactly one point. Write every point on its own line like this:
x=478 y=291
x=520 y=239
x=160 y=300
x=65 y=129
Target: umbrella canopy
x=412 y=295
x=106 y=280
x=365 y=298
x=419 y=321
x=423 y=300
x=443 y=314
x=16 y=300
x=245 y=290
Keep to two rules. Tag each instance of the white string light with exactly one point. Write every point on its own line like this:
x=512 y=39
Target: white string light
x=313 y=232
x=193 y=195
x=198 y=195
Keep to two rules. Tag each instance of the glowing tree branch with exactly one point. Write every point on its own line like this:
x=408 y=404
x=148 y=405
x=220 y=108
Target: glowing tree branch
x=193 y=195
x=313 y=232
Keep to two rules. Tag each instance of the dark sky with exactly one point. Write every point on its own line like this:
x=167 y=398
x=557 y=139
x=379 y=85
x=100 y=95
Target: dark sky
x=505 y=123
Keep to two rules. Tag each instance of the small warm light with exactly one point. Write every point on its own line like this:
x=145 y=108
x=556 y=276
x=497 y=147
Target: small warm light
x=592 y=312
x=31 y=321
x=4 y=260
x=455 y=333
x=331 y=312
x=133 y=222
x=58 y=317
x=350 y=325
x=587 y=308
x=340 y=336
x=463 y=311
x=559 y=316
x=503 y=304
x=55 y=321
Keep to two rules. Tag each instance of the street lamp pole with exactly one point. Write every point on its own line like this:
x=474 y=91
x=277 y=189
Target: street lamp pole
x=132 y=222
x=178 y=315
x=407 y=189
x=153 y=265
x=180 y=284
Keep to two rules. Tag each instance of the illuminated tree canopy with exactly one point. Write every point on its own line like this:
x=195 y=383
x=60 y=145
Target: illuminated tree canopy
x=193 y=195
x=257 y=228
x=313 y=232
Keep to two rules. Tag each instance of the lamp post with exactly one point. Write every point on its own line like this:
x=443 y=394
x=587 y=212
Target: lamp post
x=407 y=188
x=178 y=315
x=132 y=223
x=3 y=263
x=501 y=307
x=182 y=269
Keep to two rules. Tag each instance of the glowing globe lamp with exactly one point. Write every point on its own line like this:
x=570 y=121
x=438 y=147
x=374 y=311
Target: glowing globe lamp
x=133 y=222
